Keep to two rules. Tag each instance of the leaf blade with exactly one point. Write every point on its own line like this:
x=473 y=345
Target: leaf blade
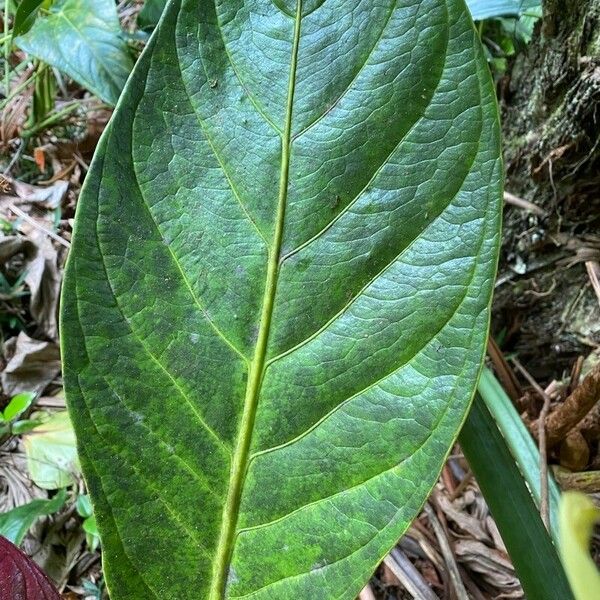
x=15 y=523
x=528 y=542
x=100 y=61
x=206 y=274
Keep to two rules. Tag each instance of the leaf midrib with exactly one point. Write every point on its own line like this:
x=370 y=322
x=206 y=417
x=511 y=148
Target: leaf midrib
x=257 y=367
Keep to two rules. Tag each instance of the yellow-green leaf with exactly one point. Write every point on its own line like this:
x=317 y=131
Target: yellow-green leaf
x=578 y=515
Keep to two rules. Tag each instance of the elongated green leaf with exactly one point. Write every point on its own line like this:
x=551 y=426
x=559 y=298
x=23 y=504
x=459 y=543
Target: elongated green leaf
x=530 y=547
x=25 y=16
x=276 y=303
x=15 y=523
x=83 y=39
x=520 y=443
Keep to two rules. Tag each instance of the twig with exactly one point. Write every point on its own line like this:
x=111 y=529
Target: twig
x=509 y=381
x=593 y=270
x=524 y=204
x=23 y=215
x=408 y=575
x=577 y=405
x=460 y=488
x=541 y=431
x=366 y=593
x=447 y=553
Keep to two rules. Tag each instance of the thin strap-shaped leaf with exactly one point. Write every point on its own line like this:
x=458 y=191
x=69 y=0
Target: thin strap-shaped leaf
x=530 y=547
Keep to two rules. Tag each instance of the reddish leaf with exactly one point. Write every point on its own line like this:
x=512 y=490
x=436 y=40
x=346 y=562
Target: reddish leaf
x=21 y=578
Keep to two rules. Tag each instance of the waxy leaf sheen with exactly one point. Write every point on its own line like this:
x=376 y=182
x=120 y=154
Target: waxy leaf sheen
x=276 y=305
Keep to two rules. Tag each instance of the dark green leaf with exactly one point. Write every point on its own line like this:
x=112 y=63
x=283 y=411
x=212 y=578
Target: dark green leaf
x=83 y=39
x=276 y=302
x=15 y=523
x=150 y=14
x=25 y=16
x=527 y=541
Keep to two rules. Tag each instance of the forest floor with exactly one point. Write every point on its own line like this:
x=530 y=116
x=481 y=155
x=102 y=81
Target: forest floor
x=40 y=182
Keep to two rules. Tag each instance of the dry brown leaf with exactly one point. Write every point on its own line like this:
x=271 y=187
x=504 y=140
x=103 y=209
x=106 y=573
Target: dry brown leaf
x=463 y=519
x=49 y=196
x=30 y=364
x=494 y=566
x=16 y=487
x=42 y=277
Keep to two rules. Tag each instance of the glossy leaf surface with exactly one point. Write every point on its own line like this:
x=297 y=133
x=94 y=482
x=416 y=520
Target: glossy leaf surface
x=82 y=38
x=276 y=303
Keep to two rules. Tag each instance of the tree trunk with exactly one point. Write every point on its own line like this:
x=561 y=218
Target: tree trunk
x=546 y=307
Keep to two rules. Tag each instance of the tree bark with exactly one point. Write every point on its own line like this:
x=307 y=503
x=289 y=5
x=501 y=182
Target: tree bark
x=546 y=308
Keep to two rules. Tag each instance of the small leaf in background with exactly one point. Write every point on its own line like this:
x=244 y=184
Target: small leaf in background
x=15 y=523
x=18 y=404
x=85 y=510
x=149 y=16
x=82 y=39
x=84 y=506
x=25 y=16
x=485 y=9
x=21 y=578
x=578 y=515
x=92 y=536
x=51 y=453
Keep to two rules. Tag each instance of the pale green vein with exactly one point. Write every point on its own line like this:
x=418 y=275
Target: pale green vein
x=174 y=382
x=184 y=278
x=257 y=368
x=384 y=164
x=218 y=158
x=250 y=96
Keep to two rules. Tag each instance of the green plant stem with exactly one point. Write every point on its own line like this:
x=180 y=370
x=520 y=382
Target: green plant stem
x=51 y=120
x=6 y=50
x=17 y=90
x=257 y=367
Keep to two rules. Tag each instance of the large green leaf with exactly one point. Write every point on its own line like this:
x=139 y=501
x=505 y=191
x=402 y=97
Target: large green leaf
x=83 y=39
x=276 y=303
